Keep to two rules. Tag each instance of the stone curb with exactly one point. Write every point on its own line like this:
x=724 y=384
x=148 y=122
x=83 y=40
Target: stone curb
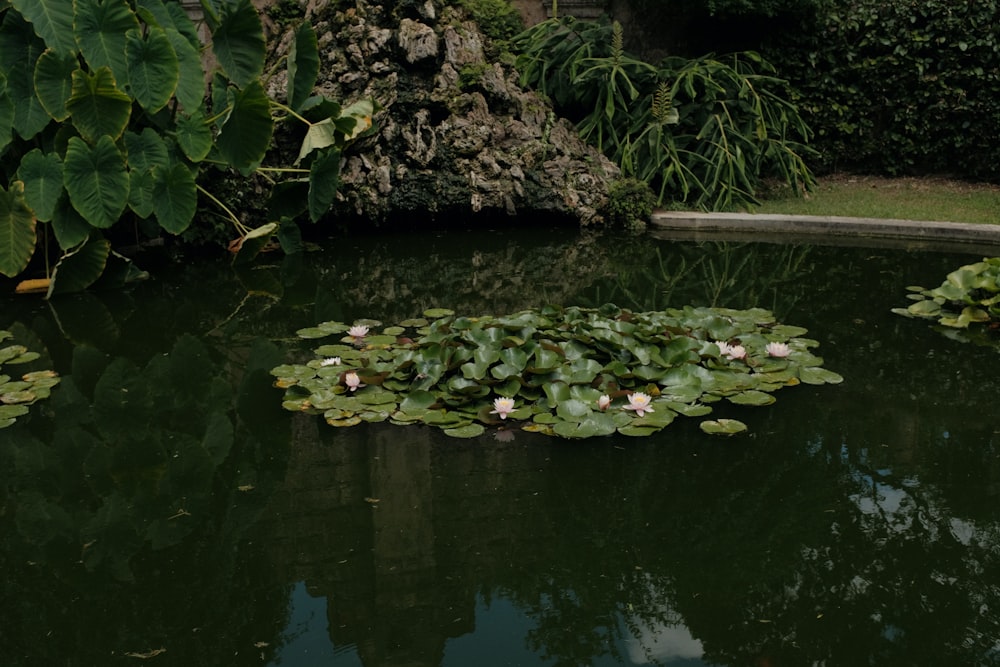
x=830 y=229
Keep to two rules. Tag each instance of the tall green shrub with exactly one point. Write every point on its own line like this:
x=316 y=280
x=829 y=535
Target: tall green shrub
x=104 y=119
x=703 y=131
x=896 y=87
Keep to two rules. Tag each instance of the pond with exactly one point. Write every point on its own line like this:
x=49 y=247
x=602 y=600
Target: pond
x=161 y=508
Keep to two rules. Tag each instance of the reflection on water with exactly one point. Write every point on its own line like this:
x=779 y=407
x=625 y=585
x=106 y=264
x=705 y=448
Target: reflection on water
x=162 y=506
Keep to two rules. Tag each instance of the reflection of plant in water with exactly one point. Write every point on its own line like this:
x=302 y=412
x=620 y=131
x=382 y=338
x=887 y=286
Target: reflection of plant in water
x=559 y=370
x=141 y=474
x=721 y=273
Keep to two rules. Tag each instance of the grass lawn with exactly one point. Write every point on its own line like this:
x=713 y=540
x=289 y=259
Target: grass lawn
x=931 y=199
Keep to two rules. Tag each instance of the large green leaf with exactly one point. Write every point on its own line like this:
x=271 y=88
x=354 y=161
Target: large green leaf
x=146 y=150
x=324 y=177
x=141 y=190
x=69 y=226
x=191 y=82
x=246 y=133
x=303 y=66
x=238 y=42
x=78 y=269
x=43 y=182
x=153 y=68
x=194 y=135
x=19 y=51
x=254 y=242
x=97 y=106
x=6 y=114
x=100 y=27
x=17 y=230
x=52 y=20
x=175 y=197
x=54 y=81
x=96 y=180
x=169 y=16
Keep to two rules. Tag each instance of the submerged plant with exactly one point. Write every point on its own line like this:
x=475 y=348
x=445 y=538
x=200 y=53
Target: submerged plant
x=570 y=372
x=17 y=395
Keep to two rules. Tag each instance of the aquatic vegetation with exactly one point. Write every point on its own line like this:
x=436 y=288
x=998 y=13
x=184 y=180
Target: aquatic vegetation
x=17 y=395
x=557 y=371
x=969 y=294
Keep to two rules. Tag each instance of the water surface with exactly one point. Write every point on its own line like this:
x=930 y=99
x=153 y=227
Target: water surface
x=160 y=508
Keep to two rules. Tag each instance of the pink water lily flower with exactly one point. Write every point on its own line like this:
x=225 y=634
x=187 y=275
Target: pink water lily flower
x=358 y=331
x=502 y=407
x=330 y=361
x=352 y=381
x=736 y=352
x=604 y=402
x=777 y=350
x=639 y=402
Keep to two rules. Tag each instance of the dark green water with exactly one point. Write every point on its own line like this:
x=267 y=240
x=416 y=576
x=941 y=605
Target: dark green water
x=161 y=505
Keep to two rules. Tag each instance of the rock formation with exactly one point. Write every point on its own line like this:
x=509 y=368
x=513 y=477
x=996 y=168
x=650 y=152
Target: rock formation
x=455 y=132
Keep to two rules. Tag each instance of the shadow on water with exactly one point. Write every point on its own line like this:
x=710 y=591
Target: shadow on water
x=161 y=505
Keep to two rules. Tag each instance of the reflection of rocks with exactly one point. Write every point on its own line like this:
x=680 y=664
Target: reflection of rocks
x=456 y=133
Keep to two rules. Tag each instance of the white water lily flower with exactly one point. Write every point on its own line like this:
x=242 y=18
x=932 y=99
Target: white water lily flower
x=358 y=331
x=352 y=381
x=603 y=402
x=639 y=402
x=330 y=361
x=502 y=407
x=736 y=352
x=724 y=347
x=777 y=350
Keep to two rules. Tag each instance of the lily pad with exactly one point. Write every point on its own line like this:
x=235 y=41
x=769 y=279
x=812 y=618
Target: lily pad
x=723 y=426
x=467 y=431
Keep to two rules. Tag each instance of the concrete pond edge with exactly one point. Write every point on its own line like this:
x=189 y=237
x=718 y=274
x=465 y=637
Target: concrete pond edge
x=827 y=230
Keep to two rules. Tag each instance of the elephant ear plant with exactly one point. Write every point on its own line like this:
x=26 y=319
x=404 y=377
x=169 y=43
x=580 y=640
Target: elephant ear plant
x=106 y=120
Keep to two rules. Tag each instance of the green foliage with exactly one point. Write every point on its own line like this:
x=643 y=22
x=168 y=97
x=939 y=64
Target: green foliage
x=17 y=394
x=704 y=131
x=969 y=295
x=104 y=119
x=630 y=203
x=897 y=87
x=568 y=372
x=498 y=19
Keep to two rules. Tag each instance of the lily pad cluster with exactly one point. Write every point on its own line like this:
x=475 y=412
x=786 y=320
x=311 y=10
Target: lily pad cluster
x=570 y=372
x=17 y=394
x=968 y=294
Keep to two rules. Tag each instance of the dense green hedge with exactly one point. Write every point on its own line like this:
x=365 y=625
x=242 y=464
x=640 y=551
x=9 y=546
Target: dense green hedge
x=899 y=86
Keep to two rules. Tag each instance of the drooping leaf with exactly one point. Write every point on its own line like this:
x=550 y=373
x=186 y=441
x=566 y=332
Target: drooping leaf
x=246 y=133
x=78 y=269
x=303 y=66
x=52 y=20
x=238 y=42
x=324 y=178
x=17 y=230
x=43 y=182
x=96 y=180
x=175 y=197
x=254 y=242
x=97 y=106
x=6 y=114
x=169 y=16
x=54 y=81
x=141 y=192
x=101 y=27
x=153 y=68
